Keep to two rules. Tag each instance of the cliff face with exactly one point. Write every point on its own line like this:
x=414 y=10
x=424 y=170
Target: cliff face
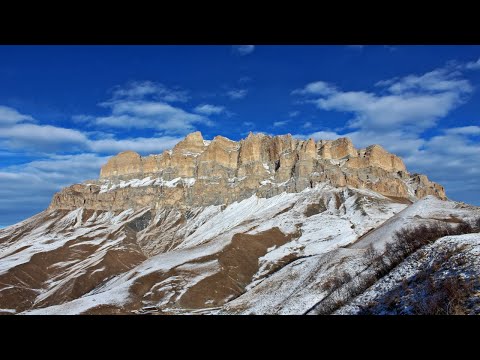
x=197 y=172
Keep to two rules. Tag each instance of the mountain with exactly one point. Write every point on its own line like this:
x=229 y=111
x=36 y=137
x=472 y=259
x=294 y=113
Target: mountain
x=266 y=225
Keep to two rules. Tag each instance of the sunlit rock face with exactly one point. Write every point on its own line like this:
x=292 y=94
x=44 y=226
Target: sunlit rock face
x=199 y=172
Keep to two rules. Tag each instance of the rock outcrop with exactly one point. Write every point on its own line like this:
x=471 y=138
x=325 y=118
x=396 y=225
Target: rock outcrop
x=197 y=172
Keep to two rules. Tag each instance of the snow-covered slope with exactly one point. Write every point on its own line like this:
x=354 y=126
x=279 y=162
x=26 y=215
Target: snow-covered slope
x=259 y=255
x=403 y=291
x=298 y=287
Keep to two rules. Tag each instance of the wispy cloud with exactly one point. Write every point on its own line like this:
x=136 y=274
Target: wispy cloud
x=473 y=65
x=294 y=113
x=307 y=125
x=243 y=49
x=48 y=139
x=147 y=105
x=319 y=135
x=141 y=145
x=144 y=89
x=245 y=80
x=417 y=101
x=208 y=109
x=237 y=94
x=280 y=123
x=41 y=138
x=355 y=47
x=9 y=116
x=20 y=131
x=82 y=118
x=150 y=115
x=316 y=88
x=464 y=130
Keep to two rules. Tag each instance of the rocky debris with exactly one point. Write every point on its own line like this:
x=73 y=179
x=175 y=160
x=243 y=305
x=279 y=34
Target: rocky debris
x=197 y=172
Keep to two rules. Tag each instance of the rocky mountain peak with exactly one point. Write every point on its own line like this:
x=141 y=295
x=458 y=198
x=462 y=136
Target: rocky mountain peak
x=199 y=172
x=193 y=142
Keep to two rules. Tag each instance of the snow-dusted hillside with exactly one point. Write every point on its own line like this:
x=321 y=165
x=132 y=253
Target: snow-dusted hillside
x=403 y=290
x=259 y=255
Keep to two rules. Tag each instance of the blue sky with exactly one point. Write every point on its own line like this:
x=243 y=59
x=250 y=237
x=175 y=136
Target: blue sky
x=65 y=109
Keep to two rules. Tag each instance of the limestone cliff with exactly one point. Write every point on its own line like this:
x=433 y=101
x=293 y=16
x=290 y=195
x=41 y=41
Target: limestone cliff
x=197 y=172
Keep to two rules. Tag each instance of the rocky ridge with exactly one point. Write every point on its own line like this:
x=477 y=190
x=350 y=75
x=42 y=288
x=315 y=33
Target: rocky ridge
x=197 y=172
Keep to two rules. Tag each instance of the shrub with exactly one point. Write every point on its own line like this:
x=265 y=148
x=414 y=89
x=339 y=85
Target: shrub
x=445 y=297
x=369 y=255
x=477 y=225
x=336 y=280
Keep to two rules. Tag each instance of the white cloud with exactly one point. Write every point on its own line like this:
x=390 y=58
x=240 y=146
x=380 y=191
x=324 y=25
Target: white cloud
x=280 y=123
x=243 y=49
x=439 y=80
x=355 y=47
x=51 y=139
x=236 y=94
x=316 y=88
x=319 y=135
x=385 y=112
x=293 y=113
x=82 y=118
x=141 y=145
x=150 y=115
x=45 y=138
x=413 y=101
x=9 y=116
x=473 y=65
x=146 y=105
x=208 y=109
x=465 y=130
x=307 y=125
x=144 y=89
x=248 y=124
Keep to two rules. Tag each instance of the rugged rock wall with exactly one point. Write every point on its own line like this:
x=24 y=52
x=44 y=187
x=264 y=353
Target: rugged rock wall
x=199 y=173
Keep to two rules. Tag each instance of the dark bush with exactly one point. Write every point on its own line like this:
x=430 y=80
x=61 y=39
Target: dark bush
x=445 y=297
x=336 y=280
x=477 y=225
x=369 y=255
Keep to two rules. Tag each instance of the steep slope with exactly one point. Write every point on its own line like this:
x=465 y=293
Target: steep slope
x=300 y=287
x=442 y=278
x=213 y=254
